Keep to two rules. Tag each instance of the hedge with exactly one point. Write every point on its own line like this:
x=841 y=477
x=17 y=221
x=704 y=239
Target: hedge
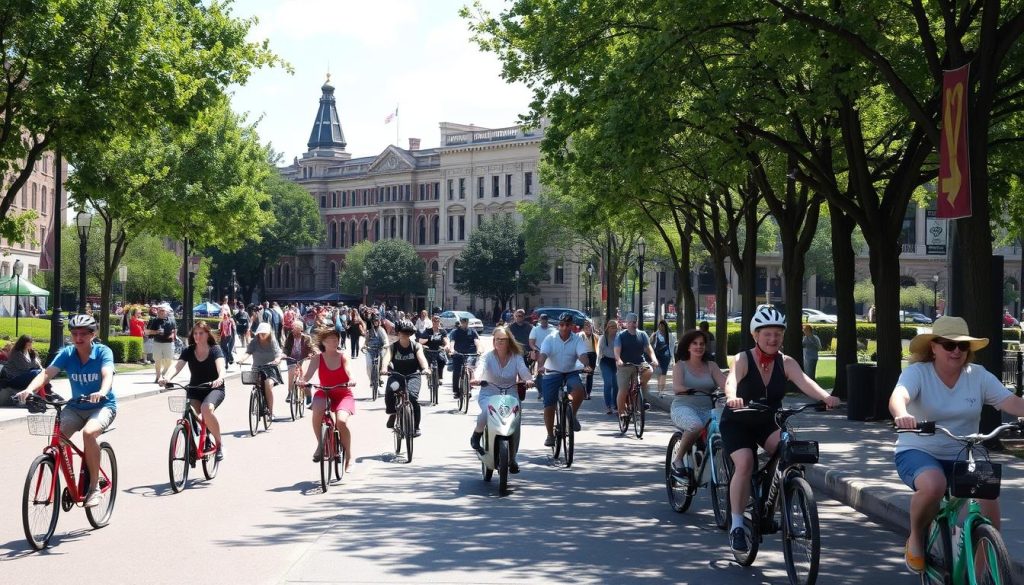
x=126 y=349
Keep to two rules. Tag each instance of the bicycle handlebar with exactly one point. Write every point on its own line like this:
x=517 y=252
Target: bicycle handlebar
x=414 y=374
x=322 y=387
x=203 y=386
x=781 y=414
x=929 y=428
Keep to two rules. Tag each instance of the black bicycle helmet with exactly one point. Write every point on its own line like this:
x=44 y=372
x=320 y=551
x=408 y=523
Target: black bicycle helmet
x=566 y=318
x=405 y=326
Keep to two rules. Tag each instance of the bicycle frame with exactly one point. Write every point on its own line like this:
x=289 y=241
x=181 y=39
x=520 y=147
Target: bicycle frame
x=64 y=452
x=191 y=420
x=960 y=533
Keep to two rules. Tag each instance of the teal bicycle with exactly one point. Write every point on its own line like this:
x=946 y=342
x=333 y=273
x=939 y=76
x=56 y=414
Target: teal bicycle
x=964 y=547
x=699 y=469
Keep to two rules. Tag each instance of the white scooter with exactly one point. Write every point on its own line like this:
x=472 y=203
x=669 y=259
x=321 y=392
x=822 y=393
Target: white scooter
x=501 y=433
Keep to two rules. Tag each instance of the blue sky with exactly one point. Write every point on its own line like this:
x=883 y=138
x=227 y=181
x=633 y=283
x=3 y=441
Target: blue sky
x=414 y=53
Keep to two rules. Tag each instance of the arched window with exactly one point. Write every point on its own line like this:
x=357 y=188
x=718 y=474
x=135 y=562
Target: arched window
x=376 y=230
x=352 y=233
x=334 y=235
x=433 y=266
x=366 y=230
x=341 y=234
x=392 y=230
x=287 y=276
x=422 y=229
x=277 y=277
x=43 y=201
x=437 y=229
x=35 y=195
x=334 y=275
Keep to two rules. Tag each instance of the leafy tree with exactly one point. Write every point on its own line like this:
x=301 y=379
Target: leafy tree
x=153 y=270
x=490 y=259
x=351 y=279
x=394 y=269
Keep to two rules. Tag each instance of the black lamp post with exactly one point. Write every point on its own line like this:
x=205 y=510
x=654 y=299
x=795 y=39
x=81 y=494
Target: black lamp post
x=444 y=286
x=18 y=268
x=935 y=294
x=517 y=289
x=234 y=285
x=122 y=276
x=83 y=220
x=642 y=249
x=590 y=284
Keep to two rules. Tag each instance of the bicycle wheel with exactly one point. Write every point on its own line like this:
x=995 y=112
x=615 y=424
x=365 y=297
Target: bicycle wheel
x=99 y=515
x=210 y=463
x=40 y=503
x=721 y=473
x=255 y=407
x=504 y=457
x=938 y=565
x=557 y=447
x=374 y=379
x=398 y=430
x=294 y=401
x=991 y=562
x=339 y=457
x=639 y=414
x=268 y=419
x=302 y=403
x=801 y=539
x=625 y=420
x=680 y=486
x=326 y=453
x=409 y=427
x=464 y=393
x=177 y=460
x=569 y=432
x=433 y=386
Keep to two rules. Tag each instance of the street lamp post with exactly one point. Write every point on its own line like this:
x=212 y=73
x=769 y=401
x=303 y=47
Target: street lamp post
x=935 y=294
x=517 y=289
x=234 y=285
x=122 y=277
x=18 y=268
x=642 y=248
x=83 y=220
x=590 y=285
x=444 y=286
x=365 y=289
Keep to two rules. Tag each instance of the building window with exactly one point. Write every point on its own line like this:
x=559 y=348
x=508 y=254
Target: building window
x=462 y=188
x=342 y=233
x=528 y=183
x=479 y=220
x=451 y=189
x=437 y=229
x=43 y=201
x=334 y=235
x=366 y=230
x=392 y=228
x=462 y=228
x=494 y=186
x=559 y=273
x=479 y=187
x=422 y=229
x=451 y=228
x=35 y=195
x=423 y=191
x=508 y=185
x=376 y=230
x=352 y=234
x=408 y=192
x=437 y=191
x=323 y=201
x=334 y=275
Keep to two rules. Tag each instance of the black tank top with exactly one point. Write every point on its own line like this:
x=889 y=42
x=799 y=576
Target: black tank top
x=403 y=359
x=753 y=389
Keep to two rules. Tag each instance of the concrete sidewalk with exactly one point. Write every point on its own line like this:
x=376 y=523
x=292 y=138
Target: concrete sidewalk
x=856 y=468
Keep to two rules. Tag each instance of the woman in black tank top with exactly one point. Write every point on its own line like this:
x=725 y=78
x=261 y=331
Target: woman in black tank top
x=758 y=375
x=405 y=357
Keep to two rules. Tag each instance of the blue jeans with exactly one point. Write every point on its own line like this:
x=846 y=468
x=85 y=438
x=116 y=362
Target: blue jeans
x=611 y=383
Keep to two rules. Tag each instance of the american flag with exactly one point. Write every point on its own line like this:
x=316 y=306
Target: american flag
x=391 y=116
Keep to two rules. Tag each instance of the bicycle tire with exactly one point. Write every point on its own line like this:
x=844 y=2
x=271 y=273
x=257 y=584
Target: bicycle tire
x=679 y=490
x=339 y=457
x=374 y=378
x=40 y=502
x=721 y=473
x=254 y=411
x=990 y=547
x=556 y=447
x=326 y=451
x=639 y=414
x=433 y=386
x=800 y=527
x=210 y=463
x=570 y=434
x=464 y=393
x=504 y=459
x=177 y=459
x=409 y=424
x=99 y=516
x=624 y=420
x=293 y=401
x=302 y=403
x=266 y=416
x=398 y=430
x=938 y=566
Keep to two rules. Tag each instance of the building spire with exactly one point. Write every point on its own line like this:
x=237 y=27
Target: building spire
x=327 y=131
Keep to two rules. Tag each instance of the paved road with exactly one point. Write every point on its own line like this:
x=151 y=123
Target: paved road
x=264 y=519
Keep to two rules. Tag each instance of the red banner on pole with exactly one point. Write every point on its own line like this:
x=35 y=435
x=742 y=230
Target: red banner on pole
x=954 y=199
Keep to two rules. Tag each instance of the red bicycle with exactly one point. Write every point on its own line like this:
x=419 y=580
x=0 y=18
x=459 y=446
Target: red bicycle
x=43 y=498
x=190 y=441
x=332 y=459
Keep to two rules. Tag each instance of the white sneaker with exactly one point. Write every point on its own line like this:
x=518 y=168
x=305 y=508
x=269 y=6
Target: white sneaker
x=93 y=498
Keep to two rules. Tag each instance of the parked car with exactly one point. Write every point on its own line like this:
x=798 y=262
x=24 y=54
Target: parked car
x=914 y=317
x=553 y=313
x=735 y=317
x=450 y=320
x=816 y=316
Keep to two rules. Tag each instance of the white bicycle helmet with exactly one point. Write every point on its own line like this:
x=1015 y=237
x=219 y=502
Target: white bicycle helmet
x=83 y=321
x=767 y=317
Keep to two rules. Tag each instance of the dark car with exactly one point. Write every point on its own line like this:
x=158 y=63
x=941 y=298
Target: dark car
x=553 y=313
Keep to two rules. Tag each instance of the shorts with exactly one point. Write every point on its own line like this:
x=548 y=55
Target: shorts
x=747 y=430
x=147 y=345
x=550 y=383
x=163 y=351
x=625 y=374
x=687 y=416
x=910 y=464
x=341 y=399
x=272 y=372
x=214 y=396
x=73 y=420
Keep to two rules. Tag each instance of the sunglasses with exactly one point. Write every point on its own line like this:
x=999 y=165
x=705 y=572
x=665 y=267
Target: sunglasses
x=950 y=345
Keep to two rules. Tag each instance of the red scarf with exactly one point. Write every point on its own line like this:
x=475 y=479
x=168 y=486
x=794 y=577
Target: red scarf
x=764 y=360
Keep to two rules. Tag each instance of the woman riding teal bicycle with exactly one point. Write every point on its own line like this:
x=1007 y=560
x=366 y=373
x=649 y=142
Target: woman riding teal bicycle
x=692 y=371
x=941 y=385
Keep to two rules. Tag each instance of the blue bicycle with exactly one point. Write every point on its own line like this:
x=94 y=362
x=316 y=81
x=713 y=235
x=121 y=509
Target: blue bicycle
x=699 y=470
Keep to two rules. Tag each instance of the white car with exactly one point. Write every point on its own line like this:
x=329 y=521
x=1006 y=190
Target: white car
x=816 y=316
x=450 y=320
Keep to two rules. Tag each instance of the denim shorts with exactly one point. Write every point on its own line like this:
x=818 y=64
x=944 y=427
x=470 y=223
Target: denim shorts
x=910 y=464
x=551 y=383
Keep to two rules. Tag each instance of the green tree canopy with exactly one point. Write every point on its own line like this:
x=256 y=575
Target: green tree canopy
x=490 y=259
x=351 y=279
x=394 y=269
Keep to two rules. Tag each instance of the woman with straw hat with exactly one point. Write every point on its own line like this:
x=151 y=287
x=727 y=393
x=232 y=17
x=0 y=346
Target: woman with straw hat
x=942 y=385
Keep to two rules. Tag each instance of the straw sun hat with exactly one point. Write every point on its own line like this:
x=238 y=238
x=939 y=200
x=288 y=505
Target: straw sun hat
x=951 y=328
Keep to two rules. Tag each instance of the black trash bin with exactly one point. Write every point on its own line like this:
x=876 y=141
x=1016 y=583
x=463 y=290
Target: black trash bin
x=860 y=391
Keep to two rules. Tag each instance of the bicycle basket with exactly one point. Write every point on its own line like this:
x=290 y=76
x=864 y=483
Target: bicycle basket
x=176 y=404
x=981 y=484
x=41 y=425
x=800 y=452
x=250 y=376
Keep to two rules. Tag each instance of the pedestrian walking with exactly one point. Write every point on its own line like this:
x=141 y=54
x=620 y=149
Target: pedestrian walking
x=812 y=345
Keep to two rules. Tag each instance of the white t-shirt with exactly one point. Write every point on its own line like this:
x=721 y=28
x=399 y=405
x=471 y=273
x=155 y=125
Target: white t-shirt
x=539 y=334
x=957 y=409
x=490 y=369
x=563 y=355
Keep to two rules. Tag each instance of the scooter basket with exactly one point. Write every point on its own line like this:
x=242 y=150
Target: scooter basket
x=981 y=484
x=800 y=452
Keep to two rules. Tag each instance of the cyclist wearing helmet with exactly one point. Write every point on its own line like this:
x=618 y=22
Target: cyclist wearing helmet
x=562 y=352
x=464 y=341
x=758 y=375
x=404 y=356
x=90 y=369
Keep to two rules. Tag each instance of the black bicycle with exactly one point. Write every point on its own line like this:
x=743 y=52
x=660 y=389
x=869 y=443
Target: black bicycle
x=375 y=356
x=296 y=400
x=464 y=390
x=783 y=477
x=434 y=376
x=258 y=410
x=636 y=405
x=404 y=427
x=565 y=421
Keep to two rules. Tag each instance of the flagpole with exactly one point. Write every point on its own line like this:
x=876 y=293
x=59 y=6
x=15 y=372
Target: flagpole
x=398 y=126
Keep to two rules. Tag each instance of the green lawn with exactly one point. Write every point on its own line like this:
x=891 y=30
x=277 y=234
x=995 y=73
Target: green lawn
x=39 y=329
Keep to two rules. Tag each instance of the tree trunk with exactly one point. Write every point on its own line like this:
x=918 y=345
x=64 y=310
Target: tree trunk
x=686 y=298
x=721 y=310
x=748 y=276
x=843 y=259
x=885 y=275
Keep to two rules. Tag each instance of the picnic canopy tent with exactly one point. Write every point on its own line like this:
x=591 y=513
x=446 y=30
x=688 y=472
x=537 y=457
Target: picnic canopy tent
x=11 y=286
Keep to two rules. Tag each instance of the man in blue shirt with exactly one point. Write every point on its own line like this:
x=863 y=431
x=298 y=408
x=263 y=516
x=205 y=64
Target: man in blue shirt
x=631 y=346
x=90 y=368
x=464 y=341
x=560 y=354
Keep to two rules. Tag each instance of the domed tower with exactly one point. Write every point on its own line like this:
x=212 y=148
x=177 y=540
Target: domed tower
x=327 y=140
